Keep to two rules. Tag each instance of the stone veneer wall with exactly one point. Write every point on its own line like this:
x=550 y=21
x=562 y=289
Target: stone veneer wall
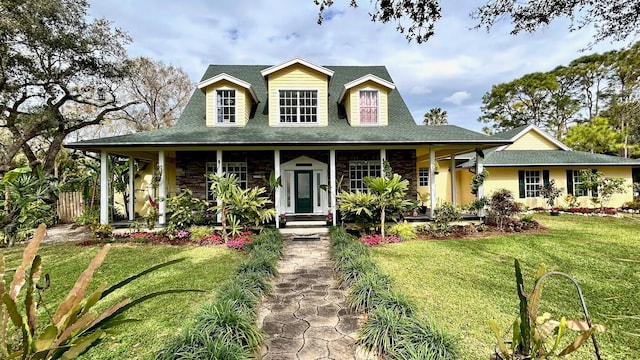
x=404 y=162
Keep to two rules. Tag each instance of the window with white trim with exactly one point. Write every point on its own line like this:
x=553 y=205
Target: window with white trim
x=423 y=176
x=298 y=106
x=532 y=183
x=368 y=102
x=226 y=106
x=358 y=170
x=238 y=168
x=577 y=190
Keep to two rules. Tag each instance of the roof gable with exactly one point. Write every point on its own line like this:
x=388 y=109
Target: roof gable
x=518 y=133
x=270 y=70
x=363 y=79
x=224 y=76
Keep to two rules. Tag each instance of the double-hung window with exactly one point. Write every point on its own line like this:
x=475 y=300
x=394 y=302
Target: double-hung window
x=577 y=185
x=423 y=177
x=358 y=170
x=239 y=169
x=298 y=106
x=226 y=106
x=368 y=103
x=532 y=183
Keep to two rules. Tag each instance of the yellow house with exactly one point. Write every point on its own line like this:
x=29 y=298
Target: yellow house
x=534 y=158
x=307 y=123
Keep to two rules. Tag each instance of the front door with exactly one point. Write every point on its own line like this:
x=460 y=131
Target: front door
x=304 y=191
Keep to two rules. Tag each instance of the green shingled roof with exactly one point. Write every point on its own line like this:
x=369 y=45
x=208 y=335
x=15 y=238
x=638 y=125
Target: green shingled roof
x=192 y=131
x=550 y=158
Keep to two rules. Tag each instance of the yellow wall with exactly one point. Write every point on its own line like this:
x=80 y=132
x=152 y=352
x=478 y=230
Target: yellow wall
x=243 y=103
x=298 y=77
x=443 y=182
x=532 y=141
x=143 y=188
x=352 y=105
x=507 y=178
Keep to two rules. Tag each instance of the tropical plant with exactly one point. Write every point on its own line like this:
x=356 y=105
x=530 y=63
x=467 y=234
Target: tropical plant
x=604 y=187
x=503 y=207
x=550 y=192
x=182 y=208
x=477 y=181
x=359 y=207
x=27 y=200
x=389 y=193
x=538 y=337
x=404 y=230
x=272 y=183
x=75 y=326
x=445 y=214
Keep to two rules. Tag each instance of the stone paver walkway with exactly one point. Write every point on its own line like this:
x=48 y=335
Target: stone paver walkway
x=306 y=316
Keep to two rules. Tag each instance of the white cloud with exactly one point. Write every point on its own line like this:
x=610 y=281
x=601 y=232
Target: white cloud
x=458 y=97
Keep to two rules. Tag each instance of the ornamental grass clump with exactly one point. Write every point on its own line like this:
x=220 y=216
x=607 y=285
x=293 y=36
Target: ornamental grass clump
x=391 y=330
x=227 y=328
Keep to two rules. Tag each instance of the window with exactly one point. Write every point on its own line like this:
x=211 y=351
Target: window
x=368 y=106
x=577 y=190
x=358 y=170
x=237 y=168
x=226 y=106
x=298 y=106
x=423 y=177
x=532 y=183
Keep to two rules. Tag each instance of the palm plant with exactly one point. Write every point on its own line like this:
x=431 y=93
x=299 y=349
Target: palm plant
x=390 y=193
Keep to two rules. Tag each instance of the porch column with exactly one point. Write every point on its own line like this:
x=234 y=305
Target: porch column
x=276 y=170
x=219 y=173
x=104 y=188
x=132 y=188
x=332 y=184
x=453 y=180
x=162 y=189
x=383 y=157
x=479 y=169
x=432 y=180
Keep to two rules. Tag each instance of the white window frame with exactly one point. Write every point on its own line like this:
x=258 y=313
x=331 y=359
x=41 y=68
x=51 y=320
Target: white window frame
x=297 y=121
x=423 y=176
x=363 y=169
x=377 y=107
x=239 y=168
x=218 y=120
x=532 y=183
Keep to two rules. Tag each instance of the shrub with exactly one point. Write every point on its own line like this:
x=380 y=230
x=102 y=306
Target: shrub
x=445 y=214
x=404 y=230
x=88 y=217
x=181 y=207
x=198 y=232
x=101 y=231
x=632 y=205
x=371 y=240
x=503 y=207
x=359 y=207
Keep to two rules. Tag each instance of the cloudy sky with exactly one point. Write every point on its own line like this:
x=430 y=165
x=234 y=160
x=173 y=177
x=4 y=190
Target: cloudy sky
x=452 y=70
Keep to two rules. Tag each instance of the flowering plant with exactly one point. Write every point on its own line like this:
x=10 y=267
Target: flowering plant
x=371 y=240
x=329 y=217
x=283 y=218
x=210 y=239
x=183 y=234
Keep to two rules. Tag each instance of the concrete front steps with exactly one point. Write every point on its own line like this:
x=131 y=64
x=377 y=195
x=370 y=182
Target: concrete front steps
x=305 y=227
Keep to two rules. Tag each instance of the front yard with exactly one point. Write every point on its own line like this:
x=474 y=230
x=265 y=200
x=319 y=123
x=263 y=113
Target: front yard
x=462 y=284
x=205 y=268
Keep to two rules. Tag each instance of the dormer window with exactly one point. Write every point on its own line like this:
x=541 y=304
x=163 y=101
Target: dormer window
x=226 y=106
x=368 y=103
x=298 y=106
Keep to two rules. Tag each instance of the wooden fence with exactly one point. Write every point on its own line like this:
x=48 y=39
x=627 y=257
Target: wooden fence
x=70 y=206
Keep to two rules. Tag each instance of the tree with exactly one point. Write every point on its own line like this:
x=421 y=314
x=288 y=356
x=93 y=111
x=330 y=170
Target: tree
x=435 y=116
x=59 y=73
x=162 y=91
x=615 y=19
x=596 y=136
x=389 y=193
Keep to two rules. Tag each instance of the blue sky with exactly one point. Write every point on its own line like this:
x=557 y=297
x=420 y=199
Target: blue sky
x=452 y=71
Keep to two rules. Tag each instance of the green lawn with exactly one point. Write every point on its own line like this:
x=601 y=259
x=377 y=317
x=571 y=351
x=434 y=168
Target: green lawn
x=461 y=284
x=162 y=317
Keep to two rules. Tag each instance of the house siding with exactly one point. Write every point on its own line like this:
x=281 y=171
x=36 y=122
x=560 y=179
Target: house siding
x=298 y=77
x=352 y=107
x=532 y=141
x=243 y=103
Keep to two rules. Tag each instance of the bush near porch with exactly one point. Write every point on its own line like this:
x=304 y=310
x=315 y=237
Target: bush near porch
x=463 y=284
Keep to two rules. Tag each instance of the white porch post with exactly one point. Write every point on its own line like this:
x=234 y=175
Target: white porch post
x=162 y=189
x=104 y=188
x=479 y=169
x=132 y=188
x=432 y=180
x=276 y=170
x=219 y=173
x=332 y=182
x=383 y=157
x=453 y=179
